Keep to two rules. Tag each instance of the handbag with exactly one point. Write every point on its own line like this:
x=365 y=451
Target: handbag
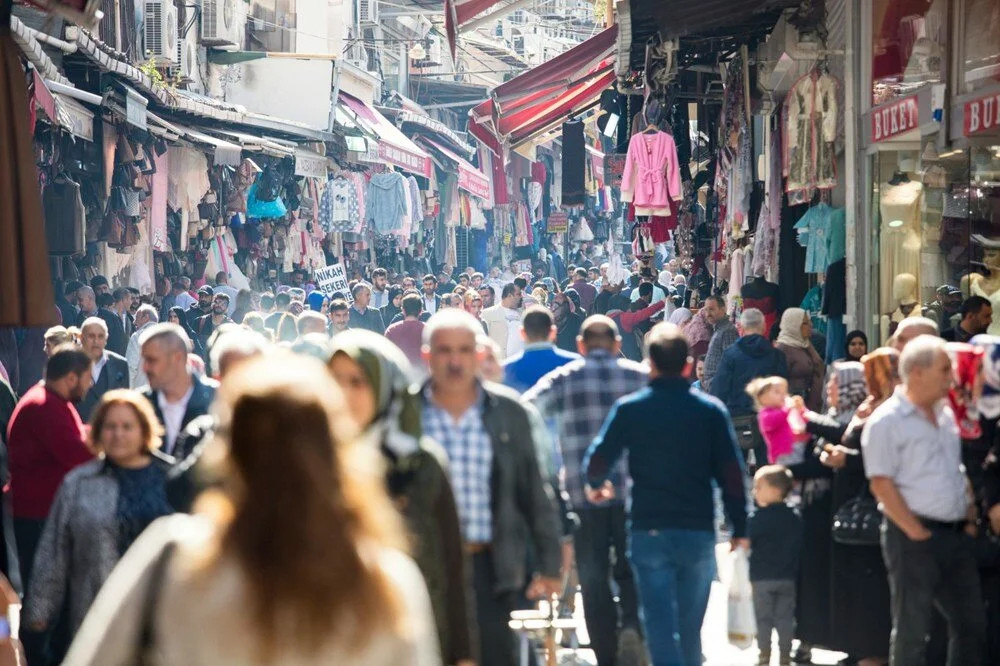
x=147 y=639
x=858 y=521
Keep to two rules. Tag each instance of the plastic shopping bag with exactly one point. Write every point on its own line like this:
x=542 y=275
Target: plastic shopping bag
x=742 y=626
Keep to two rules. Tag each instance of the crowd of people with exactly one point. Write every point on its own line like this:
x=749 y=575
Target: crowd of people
x=383 y=475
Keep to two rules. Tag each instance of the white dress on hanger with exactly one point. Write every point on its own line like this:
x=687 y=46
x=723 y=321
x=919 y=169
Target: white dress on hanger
x=900 y=234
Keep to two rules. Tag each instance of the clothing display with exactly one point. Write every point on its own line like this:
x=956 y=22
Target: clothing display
x=651 y=177
x=65 y=217
x=900 y=240
x=386 y=201
x=811 y=113
x=338 y=206
x=574 y=160
x=822 y=232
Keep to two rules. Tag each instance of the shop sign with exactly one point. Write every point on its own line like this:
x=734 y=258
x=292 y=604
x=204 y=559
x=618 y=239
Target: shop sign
x=523 y=265
x=558 y=222
x=333 y=279
x=310 y=164
x=895 y=118
x=982 y=115
x=474 y=182
x=135 y=108
x=614 y=167
x=413 y=163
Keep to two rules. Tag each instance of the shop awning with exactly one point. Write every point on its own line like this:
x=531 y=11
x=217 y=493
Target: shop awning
x=226 y=152
x=459 y=14
x=393 y=146
x=470 y=179
x=520 y=124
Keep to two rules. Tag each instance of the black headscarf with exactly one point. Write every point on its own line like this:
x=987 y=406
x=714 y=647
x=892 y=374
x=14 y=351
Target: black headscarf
x=847 y=343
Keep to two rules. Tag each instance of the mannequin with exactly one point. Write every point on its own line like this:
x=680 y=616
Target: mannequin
x=988 y=286
x=900 y=204
x=906 y=297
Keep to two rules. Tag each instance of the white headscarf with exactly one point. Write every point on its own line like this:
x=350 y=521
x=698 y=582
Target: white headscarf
x=681 y=316
x=791 y=328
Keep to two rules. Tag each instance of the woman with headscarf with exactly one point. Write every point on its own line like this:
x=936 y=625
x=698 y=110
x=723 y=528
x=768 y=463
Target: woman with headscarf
x=856 y=346
x=805 y=367
x=860 y=612
x=393 y=306
x=698 y=333
x=374 y=376
x=566 y=312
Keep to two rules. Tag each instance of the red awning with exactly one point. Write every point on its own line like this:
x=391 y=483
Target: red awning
x=459 y=12
x=541 y=98
x=393 y=146
x=470 y=179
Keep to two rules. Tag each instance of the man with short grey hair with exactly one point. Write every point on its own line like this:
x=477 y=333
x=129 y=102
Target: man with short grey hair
x=178 y=396
x=363 y=316
x=913 y=459
x=910 y=328
x=108 y=370
x=145 y=318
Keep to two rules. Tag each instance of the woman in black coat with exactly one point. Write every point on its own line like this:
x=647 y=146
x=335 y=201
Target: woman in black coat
x=860 y=620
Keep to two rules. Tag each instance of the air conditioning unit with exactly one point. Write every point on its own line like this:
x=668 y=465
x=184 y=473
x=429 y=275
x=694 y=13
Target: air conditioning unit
x=218 y=23
x=367 y=12
x=160 y=31
x=187 y=59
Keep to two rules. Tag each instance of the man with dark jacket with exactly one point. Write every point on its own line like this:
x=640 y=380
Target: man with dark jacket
x=501 y=496
x=752 y=356
x=977 y=315
x=178 y=396
x=673 y=463
x=109 y=371
x=363 y=316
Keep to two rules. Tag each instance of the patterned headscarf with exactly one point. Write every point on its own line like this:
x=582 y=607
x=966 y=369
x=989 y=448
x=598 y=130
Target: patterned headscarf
x=397 y=411
x=851 y=390
x=989 y=402
x=698 y=329
x=881 y=372
x=680 y=316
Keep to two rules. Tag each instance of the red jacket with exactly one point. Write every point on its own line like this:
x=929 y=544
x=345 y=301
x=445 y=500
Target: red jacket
x=45 y=440
x=627 y=321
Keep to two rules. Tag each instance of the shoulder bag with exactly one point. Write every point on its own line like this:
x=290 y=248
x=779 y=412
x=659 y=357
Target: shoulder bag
x=858 y=521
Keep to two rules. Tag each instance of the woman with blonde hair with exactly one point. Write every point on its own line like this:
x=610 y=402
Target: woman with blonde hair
x=101 y=508
x=293 y=560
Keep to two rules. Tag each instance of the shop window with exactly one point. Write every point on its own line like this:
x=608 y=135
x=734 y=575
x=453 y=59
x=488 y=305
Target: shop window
x=983 y=198
x=923 y=242
x=981 y=45
x=908 y=46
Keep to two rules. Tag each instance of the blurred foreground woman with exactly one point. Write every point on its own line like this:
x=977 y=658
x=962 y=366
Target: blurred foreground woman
x=294 y=562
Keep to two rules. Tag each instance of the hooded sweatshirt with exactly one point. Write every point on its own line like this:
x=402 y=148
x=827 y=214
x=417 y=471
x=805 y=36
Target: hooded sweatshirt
x=752 y=356
x=385 y=204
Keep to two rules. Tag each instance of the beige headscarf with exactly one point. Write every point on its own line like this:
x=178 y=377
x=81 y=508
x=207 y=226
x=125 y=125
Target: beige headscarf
x=790 y=329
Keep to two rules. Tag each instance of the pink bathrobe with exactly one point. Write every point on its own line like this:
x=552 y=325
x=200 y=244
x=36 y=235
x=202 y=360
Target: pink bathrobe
x=652 y=175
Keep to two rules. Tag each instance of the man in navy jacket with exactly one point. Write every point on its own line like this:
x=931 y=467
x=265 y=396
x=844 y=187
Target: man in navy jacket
x=678 y=440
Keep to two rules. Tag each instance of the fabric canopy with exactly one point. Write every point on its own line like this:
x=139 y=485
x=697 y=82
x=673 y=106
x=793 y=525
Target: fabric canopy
x=393 y=146
x=457 y=13
x=495 y=128
x=470 y=179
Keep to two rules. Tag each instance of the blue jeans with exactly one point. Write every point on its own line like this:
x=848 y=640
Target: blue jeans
x=673 y=572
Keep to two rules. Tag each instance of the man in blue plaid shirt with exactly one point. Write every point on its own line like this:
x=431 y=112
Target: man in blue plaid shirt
x=579 y=396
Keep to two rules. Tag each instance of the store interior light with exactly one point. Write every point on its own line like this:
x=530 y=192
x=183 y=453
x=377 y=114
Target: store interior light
x=951 y=153
x=895 y=224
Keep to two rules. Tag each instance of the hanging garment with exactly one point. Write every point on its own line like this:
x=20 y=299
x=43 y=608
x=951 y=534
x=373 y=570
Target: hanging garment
x=159 y=184
x=815 y=228
x=187 y=182
x=338 y=206
x=65 y=217
x=574 y=159
x=740 y=186
x=652 y=175
x=416 y=209
x=810 y=130
x=386 y=201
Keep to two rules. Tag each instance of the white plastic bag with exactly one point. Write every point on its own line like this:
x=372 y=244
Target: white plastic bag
x=742 y=626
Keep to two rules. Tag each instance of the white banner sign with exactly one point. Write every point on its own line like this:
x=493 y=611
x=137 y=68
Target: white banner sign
x=332 y=279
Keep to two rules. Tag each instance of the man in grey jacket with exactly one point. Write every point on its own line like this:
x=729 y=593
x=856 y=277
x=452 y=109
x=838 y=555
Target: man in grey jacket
x=501 y=495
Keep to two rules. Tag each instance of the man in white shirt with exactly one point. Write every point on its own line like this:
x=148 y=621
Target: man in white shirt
x=503 y=321
x=913 y=459
x=176 y=394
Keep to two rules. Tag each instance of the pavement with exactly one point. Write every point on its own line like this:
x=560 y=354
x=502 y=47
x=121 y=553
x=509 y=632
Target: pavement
x=715 y=645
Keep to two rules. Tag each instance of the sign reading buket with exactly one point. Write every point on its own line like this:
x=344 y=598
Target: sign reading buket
x=895 y=118
x=982 y=115
x=333 y=279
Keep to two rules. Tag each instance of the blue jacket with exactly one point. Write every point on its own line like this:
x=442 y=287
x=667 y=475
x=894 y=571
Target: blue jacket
x=523 y=370
x=679 y=440
x=751 y=357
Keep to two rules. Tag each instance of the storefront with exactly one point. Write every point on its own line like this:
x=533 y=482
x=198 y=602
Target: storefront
x=931 y=155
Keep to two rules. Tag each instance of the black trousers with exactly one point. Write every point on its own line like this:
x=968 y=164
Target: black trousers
x=497 y=643
x=939 y=572
x=601 y=546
